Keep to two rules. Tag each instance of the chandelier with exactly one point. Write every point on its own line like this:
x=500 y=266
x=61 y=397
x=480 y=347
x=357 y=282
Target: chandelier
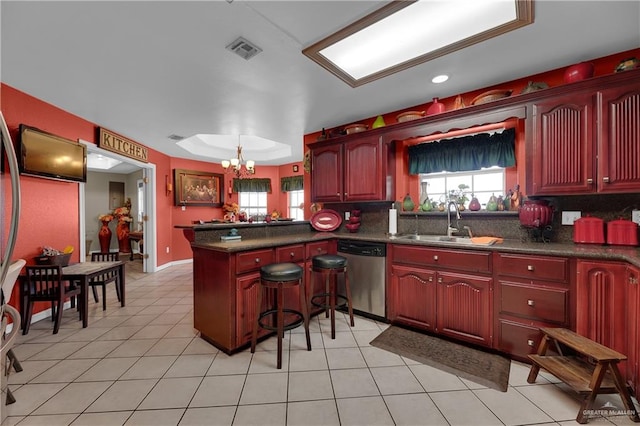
x=236 y=166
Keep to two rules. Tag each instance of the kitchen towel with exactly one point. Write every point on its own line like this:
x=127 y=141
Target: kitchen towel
x=393 y=221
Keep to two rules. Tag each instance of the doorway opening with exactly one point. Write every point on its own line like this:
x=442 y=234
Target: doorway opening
x=143 y=194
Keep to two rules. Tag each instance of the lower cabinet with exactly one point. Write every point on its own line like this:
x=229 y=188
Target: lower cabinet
x=604 y=311
x=531 y=292
x=248 y=287
x=464 y=307
x=412 y=299
x=444 y=301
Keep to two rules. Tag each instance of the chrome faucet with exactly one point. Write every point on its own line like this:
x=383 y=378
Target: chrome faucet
x=451 y=230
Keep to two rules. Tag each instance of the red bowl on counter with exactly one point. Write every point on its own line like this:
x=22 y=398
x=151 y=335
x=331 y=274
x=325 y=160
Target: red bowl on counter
x=622 y=232
x=352 y=227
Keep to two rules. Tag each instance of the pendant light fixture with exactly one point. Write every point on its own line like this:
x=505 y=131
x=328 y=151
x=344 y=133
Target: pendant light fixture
x=239 y=166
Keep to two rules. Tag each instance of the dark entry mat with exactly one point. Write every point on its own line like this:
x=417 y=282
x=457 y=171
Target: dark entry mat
x=487 y=369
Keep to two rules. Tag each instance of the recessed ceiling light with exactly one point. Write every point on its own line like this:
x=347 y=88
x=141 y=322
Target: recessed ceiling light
x=440 y=78
x=403 y=34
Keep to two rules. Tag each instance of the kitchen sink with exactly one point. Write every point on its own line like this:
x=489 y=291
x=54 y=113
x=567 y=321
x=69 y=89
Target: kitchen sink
x=443 y=239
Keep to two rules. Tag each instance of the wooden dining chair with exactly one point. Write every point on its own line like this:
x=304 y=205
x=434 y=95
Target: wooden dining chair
x=44 y=283
x=104 y=279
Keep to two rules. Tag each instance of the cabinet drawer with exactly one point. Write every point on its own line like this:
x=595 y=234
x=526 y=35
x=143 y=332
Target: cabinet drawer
x=253 y=260
x=544 y=304
x=293 y=253
x=317 y=248
x=533 y=267
x=519 y=339
x=463 y=260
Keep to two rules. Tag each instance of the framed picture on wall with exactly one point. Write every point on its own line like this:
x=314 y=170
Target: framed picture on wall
x=116 y=195
x=194 y=188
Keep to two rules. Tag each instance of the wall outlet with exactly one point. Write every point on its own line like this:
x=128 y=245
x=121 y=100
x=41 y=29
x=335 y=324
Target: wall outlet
x=184 y=208
x=635 y=216
x=167 y=249
x=347 y=215
x=569 y=217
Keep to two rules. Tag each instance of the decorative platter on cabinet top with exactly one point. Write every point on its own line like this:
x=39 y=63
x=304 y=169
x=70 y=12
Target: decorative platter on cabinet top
x=326 y=220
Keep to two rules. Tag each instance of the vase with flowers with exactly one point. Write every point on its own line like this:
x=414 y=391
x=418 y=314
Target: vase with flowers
x=123 y=216
x=231 y=211
x=104 y=234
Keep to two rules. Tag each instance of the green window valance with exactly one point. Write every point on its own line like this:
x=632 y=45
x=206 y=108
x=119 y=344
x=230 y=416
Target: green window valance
x=464 y=153
x=291 y=183
x=252 y=185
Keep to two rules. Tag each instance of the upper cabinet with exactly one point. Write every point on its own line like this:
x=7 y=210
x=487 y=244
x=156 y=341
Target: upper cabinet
x=585 y=141
x=360 y=169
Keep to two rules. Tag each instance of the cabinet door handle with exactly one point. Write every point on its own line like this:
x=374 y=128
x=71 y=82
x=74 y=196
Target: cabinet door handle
x=435 y=257
x=589 y=181
x=346 y=194
x=257 y=260
x=530 y=268
x=291 y=254
x=633 y=280
x=531 y=343
x=605 y=179
x=439 y=279
x=531 y=302
x=338 y=194
x=430 y=279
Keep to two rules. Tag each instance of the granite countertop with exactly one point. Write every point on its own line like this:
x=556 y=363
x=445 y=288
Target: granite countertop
x=590 y=251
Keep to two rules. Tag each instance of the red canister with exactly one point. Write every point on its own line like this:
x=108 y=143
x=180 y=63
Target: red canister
x=588 y=230
x=622 y=232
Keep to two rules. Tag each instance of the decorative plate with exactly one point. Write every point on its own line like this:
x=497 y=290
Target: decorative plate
x=326 y=220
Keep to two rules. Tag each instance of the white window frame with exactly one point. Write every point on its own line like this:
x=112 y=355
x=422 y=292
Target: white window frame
x=440 y=197
x=254 y=204
x=294 y=200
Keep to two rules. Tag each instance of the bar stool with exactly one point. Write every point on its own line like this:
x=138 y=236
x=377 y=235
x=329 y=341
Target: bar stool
x=330 y=265
x=280 y=276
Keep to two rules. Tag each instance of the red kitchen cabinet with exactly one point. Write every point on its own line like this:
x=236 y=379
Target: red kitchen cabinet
x=246 y=307
x=619 y=135
x=445 y=291
x=464 y=307
x=586 y=141
x=531 y=292
x=602 y=312
x=562 y=160
x=412 y=299
x=327 y=182
x=360 y=169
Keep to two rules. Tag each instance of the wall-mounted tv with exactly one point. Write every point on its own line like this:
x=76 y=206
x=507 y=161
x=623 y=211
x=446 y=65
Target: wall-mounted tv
x=45 y=155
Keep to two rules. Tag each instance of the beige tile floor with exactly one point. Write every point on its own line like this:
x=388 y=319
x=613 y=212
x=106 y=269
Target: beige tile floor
x=145 y=365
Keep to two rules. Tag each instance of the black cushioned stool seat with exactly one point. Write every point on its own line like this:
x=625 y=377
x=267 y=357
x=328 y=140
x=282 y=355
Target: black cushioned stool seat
x=277 y=277
x=330 y=265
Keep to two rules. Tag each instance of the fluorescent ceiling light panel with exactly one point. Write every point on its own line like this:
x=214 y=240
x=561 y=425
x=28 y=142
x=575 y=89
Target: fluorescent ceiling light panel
x=403 y=34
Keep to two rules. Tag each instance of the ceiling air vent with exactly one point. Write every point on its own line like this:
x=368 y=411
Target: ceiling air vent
x=175 y=137
x=244 y=48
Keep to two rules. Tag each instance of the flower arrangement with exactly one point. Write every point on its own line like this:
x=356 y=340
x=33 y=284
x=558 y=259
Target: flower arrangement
x=231 y=208
x=123 y=214
x=105 y=217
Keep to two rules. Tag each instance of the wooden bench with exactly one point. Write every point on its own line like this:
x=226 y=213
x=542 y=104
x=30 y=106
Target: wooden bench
x=592 y=371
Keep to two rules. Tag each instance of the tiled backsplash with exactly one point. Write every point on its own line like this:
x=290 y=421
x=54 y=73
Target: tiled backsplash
x=375 y=217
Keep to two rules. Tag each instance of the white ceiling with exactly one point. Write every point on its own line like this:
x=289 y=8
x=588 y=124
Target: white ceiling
x=150 y=69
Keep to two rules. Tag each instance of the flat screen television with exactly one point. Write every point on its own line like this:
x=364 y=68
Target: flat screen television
x=45 y=155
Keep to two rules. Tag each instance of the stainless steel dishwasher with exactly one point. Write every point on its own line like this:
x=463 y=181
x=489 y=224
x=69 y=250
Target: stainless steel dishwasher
x=366 y=265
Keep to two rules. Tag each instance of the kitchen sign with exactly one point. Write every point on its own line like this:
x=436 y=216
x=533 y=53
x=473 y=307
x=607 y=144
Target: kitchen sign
x=121 y=145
